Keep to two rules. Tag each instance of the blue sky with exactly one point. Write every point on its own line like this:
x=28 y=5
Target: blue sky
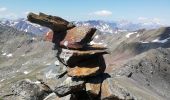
x=131 y=10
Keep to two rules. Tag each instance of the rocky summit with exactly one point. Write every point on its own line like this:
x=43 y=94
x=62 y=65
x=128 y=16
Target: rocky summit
x=81 y=63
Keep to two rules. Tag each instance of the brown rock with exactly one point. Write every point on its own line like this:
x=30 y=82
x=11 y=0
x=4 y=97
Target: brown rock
x=90 y=67
x=58 y=25
x=77 y=38
x=55 y=23
x=82 y=71
x=93 y=86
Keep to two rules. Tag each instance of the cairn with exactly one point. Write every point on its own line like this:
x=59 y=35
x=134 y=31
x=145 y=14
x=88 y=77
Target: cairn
x=84 y=63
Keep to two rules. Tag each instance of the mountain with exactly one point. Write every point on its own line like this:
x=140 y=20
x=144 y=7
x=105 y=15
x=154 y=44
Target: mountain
x=138 y=63
x=118 y=26
x=104 y=26
x=24 y=25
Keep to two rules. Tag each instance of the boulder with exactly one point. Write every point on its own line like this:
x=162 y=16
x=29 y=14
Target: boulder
x=124 y=88
x=28 y=90
x=69 y=86
x=77 y=37
x=89 y=67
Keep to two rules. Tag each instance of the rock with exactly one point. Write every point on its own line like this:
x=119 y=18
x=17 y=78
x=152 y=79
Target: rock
x=80 y=95
x=55 y=23
x=53 y=71
x=51 y=96
x=124 y=88
x=71 y=57
x=70 y=85
x=82 y=71
x=77 y=38
x=28 y=90
x=90 y=67
x=93 y=87
x=68 y=97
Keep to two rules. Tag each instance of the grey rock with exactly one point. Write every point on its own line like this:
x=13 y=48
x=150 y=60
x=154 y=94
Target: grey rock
x=53 y=96
x=148 y=73
x=70 y=85
x=28 y=90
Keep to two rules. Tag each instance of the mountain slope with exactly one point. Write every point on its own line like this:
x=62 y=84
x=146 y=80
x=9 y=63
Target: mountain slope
x=138 y=62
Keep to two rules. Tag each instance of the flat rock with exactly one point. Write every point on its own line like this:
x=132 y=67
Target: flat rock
x=70 y=85
x=72 y=57
x=90 y=67
x=77 y=37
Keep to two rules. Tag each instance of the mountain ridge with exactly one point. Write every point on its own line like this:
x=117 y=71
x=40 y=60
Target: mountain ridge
x=104 y=26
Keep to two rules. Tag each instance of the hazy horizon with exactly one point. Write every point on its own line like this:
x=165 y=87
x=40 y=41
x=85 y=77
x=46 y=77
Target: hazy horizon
x=130 y=10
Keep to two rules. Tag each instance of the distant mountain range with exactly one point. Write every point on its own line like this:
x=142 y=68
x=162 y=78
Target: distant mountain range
x=104 y=26
x=24 y=25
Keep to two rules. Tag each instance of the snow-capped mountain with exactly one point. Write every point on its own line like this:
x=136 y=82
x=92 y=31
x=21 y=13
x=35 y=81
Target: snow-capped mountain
x=118 y=26
x=24 y=25
x=104 y=26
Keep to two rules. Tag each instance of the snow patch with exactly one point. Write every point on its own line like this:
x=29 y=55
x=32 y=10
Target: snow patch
x=4 y=54
x=161 y=41
x=93 y=43
x=137 y=35
x=129 y=34
x=144 y=42
x=37 y=82
x=2 y=80
x=9 y=55
x=26 y=72
x=96 y=37
x=33 y=38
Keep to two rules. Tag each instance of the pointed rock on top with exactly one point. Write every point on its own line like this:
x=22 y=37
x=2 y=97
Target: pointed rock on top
x=55 y=23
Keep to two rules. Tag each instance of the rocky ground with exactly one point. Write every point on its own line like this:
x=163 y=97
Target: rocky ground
x=137 y=67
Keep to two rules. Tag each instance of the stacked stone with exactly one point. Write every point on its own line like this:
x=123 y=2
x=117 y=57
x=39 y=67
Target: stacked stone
x=84 y=63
